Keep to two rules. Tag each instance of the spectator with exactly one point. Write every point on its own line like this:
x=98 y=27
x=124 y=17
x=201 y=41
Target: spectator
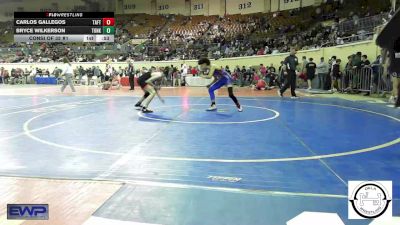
x=170 y=78
x=332 y=62
x=194 y=71
x=4 y=75
x=116 y=79
x=348 y=70
x=364 y=82
x=81 y=72
x=96 y=72
x=310 y=68
x=273 y=76
x=356 y=62
x=303 y=64
x=249 y=75
x=365 y=62
x=272 y=69
x=120 y=72
x=242 y=76
x=184 y=72
x=176 y=77
x=109 y=72
x=261 y=85
x=281 y=79
x=32 y=75
x=322 y=72
x=376 y=70
x=13 y=76
x=227 y=69
x=56 y=72
x=336 y=77
x=263 y=70
x=46 y=72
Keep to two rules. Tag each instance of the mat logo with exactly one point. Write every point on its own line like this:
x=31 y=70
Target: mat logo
x=370 y=199
x=27 y=211
x=225 y=179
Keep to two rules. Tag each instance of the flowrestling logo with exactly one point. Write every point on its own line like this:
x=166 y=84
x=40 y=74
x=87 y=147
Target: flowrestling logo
x=370 y=199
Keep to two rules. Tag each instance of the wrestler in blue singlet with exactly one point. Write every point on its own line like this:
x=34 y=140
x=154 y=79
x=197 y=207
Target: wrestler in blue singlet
x=221 y=78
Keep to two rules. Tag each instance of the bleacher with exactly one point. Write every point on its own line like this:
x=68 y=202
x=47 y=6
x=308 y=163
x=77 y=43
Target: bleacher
x=192 y=26
x=140 y=25
x=204 y=34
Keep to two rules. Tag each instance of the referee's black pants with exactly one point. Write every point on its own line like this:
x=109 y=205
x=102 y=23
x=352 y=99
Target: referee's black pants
x=290 y=81
x=132 y=81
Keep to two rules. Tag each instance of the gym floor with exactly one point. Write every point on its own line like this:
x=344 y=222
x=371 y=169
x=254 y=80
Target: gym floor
x=96 y=160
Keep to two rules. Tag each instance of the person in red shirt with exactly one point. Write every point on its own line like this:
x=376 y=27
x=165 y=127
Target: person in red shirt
x=194 y=71
x=263 y=70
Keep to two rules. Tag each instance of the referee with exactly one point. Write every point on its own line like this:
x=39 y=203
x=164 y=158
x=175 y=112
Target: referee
x=291 y=62
x=131 y=74
x=389 y=40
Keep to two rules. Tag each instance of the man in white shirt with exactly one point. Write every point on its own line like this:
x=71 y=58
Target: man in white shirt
x=32 y=75
x=68 y=72
x=184 y=70
x=322 y=72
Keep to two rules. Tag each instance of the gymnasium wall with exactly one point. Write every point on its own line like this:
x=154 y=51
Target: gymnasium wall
x=172 y=7
x=244 y=6
x=274 y=6
x=255 y=6
x=368 y=47
x=216 y=7
x=135 y=6
x=289 y=4
x=281 y=5
x=200 y=7
x=305 y=3
x=208 y=7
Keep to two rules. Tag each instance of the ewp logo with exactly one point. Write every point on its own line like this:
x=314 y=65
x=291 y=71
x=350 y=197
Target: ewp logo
x=27 y=211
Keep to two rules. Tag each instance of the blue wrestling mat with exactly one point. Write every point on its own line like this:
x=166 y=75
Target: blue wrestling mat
x=182 y=165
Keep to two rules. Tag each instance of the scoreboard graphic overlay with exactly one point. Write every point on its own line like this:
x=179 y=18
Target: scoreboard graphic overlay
x=64 y=26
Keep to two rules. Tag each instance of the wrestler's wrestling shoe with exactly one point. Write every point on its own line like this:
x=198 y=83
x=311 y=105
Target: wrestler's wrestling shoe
x=213 y=107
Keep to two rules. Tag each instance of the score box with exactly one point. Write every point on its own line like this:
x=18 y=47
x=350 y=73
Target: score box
x=108 y=21
x=108 y=30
